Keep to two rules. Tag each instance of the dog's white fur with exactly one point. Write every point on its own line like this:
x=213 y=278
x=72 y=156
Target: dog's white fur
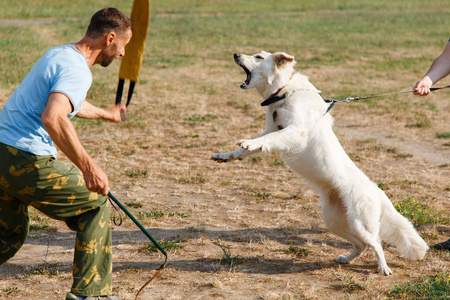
x=353 y=207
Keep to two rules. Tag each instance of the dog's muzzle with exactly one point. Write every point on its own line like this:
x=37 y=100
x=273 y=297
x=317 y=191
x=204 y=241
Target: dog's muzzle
x=238 y=61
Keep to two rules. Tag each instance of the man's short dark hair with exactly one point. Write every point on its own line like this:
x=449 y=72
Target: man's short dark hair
x=107 y=20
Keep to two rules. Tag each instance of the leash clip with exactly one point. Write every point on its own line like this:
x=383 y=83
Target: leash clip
x=348 y=99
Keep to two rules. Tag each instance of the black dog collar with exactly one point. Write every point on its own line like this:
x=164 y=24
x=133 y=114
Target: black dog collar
x=272 y=99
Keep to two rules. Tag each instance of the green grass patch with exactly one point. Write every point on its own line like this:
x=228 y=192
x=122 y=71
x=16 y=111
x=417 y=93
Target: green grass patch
x=196 y=145
x=201 y=119
x=41 y=223
x=11 y=291
x=429 y=236
x=261 y=196
x=192 y=177
x=167 y=245
x=160 y=214
x=297 y=251
x=383 y=186
x=422 y=121
x=136 y=173
x=81 y=8
x=420 y=214
x=156 y=214
x=375 y=145
x=134 y=204
x=43 y=227
x=432 y=287
x=351 y=286
x=443 y=135
x=45 y=270
x=205 y=33
x=256 y=159
x=171 y=62
x=355 y=157
x=293 y=297
x=227 y=258
x=276 y=163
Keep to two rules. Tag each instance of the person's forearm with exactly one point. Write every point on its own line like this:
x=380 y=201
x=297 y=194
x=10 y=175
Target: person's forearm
x=440 y=67
x=89 y=111
x=63 y=134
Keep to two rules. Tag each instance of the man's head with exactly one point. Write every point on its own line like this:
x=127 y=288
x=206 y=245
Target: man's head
x=113 y=29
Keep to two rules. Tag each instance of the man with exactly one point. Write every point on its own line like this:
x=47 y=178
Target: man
x=439 y=69
x=32 y=122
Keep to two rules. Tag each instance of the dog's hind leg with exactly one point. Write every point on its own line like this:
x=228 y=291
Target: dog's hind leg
x=358 y=248
x=382 y=265
x=335 y=217
x=371 y=239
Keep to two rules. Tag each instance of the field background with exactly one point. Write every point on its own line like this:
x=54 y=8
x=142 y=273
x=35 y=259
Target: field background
x=249 y=229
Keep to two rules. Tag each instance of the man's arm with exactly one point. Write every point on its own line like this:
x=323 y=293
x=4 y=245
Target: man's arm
x=63 y=134
x=89 y=111
x=438 y=70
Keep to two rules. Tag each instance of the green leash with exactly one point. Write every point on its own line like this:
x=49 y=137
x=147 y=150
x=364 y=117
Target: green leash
x=111 y=197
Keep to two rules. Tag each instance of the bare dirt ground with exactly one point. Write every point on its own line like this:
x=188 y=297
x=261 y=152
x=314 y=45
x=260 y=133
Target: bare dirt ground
x=255 y=209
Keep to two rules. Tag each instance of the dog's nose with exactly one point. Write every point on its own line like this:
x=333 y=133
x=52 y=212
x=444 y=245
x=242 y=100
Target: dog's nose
x=237 y=55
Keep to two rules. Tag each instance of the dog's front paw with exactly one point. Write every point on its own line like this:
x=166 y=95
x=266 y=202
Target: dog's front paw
x=250 y=145
x=221 y=157
x=342 y=259
x=228 y=156
x=385 y=270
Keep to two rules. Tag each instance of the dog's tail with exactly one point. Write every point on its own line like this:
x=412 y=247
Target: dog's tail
x=397 y=230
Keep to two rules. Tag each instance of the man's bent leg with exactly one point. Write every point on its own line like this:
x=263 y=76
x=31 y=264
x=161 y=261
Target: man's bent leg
x=92 y=270
x=67 y=198
x=58 y=190
x=14 y=222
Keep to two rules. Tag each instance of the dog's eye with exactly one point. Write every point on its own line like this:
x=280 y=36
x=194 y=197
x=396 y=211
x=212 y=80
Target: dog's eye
x=259 y=57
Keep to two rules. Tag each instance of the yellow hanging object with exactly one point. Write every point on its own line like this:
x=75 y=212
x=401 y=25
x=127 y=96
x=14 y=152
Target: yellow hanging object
x=130 y=67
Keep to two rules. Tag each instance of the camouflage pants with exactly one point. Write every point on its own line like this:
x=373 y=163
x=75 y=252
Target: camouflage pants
x=58 y=190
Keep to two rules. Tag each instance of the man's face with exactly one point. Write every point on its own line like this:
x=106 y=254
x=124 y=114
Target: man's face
x=115 y=49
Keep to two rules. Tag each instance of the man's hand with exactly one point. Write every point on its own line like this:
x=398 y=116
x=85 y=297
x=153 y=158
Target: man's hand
x=95 y=179
x=423 y=86
x=117 y=113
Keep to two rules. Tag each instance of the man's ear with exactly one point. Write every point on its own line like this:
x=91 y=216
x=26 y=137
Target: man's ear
x=282 y=59
x=110 y=38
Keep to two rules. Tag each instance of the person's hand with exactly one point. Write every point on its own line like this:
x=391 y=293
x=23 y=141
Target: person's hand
x=117 y=113
x=96 y=180
x=423 y=86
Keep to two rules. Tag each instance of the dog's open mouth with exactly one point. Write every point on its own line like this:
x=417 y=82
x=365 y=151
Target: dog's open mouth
x=238 y=59
x=249 y=77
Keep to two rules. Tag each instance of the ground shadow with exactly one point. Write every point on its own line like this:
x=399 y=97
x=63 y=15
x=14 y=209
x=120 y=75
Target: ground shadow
x=284 y=235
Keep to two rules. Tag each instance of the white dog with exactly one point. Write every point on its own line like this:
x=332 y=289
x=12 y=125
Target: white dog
x=298 y=126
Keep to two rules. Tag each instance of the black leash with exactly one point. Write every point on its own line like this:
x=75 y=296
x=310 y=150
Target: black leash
x=114 y=200
x=333 y=101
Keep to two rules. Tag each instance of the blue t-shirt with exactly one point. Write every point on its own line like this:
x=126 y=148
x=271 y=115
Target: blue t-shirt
x=62 y=70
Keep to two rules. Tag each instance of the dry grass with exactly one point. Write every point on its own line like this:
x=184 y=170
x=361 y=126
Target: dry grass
x=187 y=108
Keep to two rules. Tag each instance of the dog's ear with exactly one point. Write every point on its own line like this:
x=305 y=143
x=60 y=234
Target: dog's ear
x=281 y=59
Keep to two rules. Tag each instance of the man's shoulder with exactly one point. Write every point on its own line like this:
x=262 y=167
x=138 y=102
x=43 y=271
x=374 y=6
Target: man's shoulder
x=66 y=55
